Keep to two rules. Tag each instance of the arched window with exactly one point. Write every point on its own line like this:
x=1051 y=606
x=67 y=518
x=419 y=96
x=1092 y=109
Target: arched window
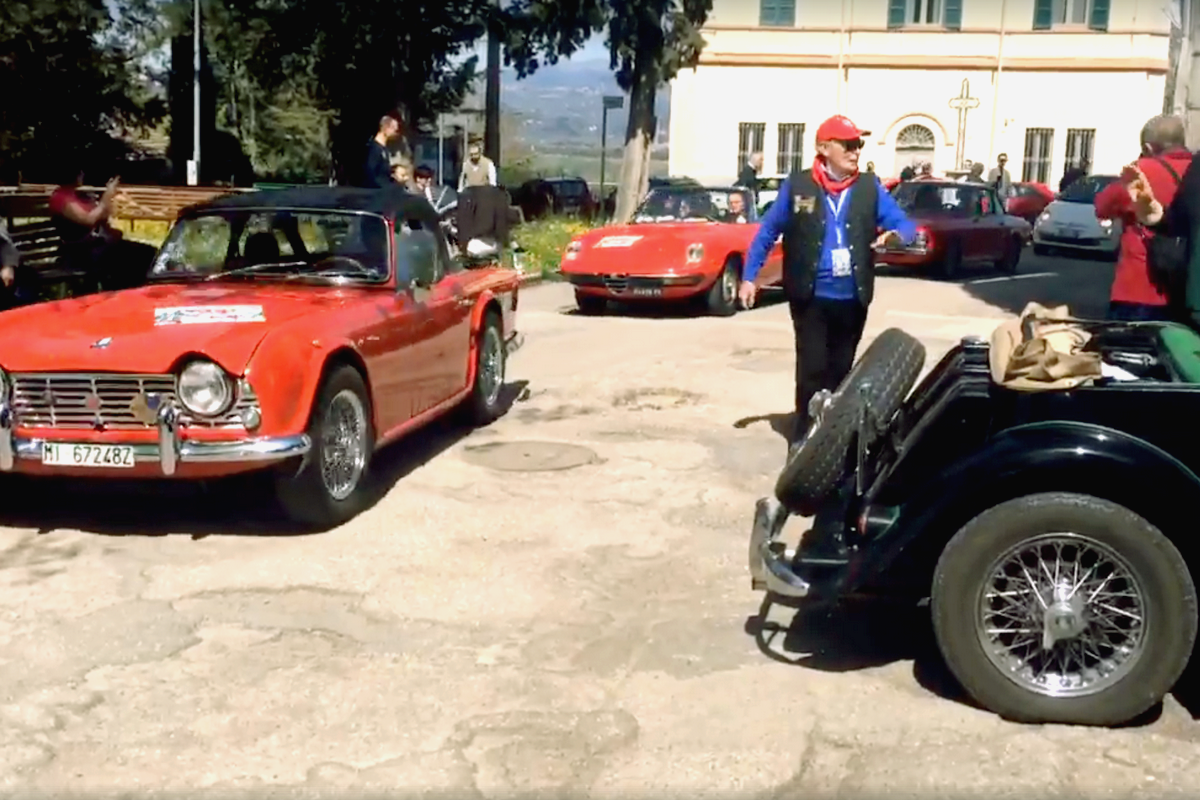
x=915 y=137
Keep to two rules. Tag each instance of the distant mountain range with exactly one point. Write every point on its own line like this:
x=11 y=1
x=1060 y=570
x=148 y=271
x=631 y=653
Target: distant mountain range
x=562 y=104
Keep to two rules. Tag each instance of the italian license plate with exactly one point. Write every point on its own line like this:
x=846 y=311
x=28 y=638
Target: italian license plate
x=96 y=456
x=647 y=291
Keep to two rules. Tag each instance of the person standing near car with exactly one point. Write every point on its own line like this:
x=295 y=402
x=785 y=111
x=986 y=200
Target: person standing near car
x=1000 y=179
x=377 y=171
x=1136 y=294
x=828 y=216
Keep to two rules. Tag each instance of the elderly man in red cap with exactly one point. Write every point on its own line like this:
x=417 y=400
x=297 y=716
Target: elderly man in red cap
x=828 y=216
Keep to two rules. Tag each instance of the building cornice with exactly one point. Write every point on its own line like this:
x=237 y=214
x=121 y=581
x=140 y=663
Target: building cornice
x=876 y=61
x=1077 y=30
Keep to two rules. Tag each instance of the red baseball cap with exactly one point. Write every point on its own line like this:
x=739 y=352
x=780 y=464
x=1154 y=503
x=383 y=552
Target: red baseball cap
x=840 y=128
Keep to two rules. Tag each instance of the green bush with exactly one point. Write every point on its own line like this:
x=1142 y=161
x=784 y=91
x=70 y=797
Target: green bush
x=544 y=240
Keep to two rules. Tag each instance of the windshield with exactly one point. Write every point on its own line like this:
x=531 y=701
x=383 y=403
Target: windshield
x=954 y=200
x=275 y=244
x=679 y=204
x=1086 y=188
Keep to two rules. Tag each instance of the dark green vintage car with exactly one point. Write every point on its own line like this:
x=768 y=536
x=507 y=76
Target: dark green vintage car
x=1051 y=528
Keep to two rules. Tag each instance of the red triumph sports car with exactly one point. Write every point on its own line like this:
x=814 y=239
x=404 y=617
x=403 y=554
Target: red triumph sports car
x=296 y=331
x=684 y=243
x=958 y=225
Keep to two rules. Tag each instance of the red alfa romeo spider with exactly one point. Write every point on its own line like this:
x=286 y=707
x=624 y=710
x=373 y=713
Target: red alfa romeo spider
x=685 y=243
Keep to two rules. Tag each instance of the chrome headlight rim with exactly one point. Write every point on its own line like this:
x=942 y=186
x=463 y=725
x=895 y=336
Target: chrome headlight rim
x=215 y=378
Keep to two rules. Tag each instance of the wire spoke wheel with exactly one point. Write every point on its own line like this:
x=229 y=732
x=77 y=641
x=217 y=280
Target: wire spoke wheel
x=344 y=444
x=1062 y=615
x=491 y=366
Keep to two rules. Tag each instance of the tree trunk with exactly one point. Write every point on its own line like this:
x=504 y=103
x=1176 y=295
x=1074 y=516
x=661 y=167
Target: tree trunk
x=639 y=135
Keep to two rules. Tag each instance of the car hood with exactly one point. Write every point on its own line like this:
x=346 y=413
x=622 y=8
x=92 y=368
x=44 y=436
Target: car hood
x=137 y=331
x=1081 y=215
x=638 y=249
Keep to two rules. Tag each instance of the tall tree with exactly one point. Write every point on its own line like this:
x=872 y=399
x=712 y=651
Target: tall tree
x=72 y=81
x=371 y=57
x=649 y=42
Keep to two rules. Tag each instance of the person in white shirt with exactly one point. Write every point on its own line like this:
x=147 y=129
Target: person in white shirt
x=478 y=170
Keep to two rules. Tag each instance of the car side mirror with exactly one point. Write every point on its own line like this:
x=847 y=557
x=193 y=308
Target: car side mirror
x=416 y=258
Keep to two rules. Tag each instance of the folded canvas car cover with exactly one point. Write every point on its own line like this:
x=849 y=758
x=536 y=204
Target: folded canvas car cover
x=1041 y=351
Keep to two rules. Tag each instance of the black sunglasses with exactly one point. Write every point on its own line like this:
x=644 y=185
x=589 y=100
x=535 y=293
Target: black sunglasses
x=851 y=144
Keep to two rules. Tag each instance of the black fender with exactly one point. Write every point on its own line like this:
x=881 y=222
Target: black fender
x=1039 y=457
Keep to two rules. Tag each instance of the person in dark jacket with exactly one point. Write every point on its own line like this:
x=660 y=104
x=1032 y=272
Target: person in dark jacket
x=748 y=177
x=377 y=171
x=828 y=216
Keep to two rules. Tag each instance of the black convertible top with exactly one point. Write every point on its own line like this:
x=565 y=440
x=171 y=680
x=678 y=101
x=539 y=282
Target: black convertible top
x=389 y=202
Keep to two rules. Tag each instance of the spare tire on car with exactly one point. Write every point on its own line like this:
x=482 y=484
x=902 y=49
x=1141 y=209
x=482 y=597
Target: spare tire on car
x=881 y=379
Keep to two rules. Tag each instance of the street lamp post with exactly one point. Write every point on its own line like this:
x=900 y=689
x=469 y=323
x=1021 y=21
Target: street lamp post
x=194 y=167
x=611 y=101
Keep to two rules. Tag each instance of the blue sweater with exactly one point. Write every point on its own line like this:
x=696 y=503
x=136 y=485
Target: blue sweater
x=888 y=216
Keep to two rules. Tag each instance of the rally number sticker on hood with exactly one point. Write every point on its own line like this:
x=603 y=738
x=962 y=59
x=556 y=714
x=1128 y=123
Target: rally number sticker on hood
x=200 y=315
x=617 y=241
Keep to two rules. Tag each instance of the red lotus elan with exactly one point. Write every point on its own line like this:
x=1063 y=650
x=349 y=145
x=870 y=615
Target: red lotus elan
x=685 y=243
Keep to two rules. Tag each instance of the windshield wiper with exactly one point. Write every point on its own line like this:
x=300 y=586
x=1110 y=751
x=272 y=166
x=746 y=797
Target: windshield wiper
x=252 y=268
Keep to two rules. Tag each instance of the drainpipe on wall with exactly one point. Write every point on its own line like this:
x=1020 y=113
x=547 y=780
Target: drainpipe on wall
x=996 y=81
x=841 y=109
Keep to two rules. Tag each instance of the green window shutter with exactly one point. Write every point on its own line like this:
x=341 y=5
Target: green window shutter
x=1043 y=14
x=1099 y=17
x=896 y=10
x=952 y=16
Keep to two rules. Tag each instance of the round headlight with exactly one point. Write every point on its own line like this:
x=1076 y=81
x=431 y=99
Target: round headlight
x=204 y=388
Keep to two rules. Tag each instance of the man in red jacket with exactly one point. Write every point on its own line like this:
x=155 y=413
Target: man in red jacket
x=1164 y=161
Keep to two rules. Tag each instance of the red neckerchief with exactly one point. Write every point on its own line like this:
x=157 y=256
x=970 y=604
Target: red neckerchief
x=827 y=182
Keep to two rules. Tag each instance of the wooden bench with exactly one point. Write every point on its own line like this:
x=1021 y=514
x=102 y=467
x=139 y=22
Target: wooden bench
x=38 y=243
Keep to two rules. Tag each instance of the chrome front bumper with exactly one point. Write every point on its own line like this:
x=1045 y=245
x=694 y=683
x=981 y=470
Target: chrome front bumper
x=170 y=450
x=770 y=559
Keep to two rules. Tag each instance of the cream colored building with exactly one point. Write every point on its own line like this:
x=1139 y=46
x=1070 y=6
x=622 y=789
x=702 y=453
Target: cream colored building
x=1052 y=82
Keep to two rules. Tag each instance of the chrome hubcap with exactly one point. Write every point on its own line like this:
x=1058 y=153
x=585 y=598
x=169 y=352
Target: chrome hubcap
x=491 y=365
x=728 y=284
x=1062 y=615
x=344 y=444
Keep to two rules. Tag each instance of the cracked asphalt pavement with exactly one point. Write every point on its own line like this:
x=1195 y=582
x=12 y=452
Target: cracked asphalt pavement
x=518 y=618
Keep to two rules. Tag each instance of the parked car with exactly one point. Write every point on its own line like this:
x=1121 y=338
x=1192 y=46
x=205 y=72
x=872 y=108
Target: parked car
x=1029 y=200
x=1069 y=226
x=1049 y=525
x=297 y=330
x=572 y=197
x=684 y=244
x=958 y=225
x=768 y=191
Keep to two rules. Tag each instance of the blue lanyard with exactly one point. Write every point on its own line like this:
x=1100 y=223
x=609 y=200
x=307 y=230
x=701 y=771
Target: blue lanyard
x=837 y=214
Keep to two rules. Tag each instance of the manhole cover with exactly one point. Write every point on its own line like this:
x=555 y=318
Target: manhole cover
x=529 y=456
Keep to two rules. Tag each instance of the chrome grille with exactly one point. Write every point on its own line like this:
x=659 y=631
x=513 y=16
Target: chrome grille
x=90 y=401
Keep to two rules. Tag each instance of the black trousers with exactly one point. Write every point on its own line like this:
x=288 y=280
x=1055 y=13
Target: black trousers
x=827 y=334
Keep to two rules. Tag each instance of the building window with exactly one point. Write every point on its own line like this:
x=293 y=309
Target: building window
x=777 y=13
x=750 y=140
x=1081 y=143
x=1050 y=13
x=1039 y=142
x=943 y=13
x=790 y=157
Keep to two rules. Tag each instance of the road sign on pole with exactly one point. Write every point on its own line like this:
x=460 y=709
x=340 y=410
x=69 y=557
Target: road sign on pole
x=610 y=101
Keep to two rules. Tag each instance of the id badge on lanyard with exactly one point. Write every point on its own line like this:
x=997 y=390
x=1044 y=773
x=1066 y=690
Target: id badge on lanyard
x=840 y=255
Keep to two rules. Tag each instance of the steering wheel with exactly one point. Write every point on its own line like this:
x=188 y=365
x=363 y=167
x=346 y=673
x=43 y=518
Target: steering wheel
x=345 y=262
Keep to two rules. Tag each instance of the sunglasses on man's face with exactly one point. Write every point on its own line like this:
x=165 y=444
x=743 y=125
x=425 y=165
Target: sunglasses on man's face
x=851 y=144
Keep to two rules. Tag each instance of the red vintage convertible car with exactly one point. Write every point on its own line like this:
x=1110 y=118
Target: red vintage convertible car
x=685 y=243
x=958 y=225
x=1029 y=200
x=298 y=330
